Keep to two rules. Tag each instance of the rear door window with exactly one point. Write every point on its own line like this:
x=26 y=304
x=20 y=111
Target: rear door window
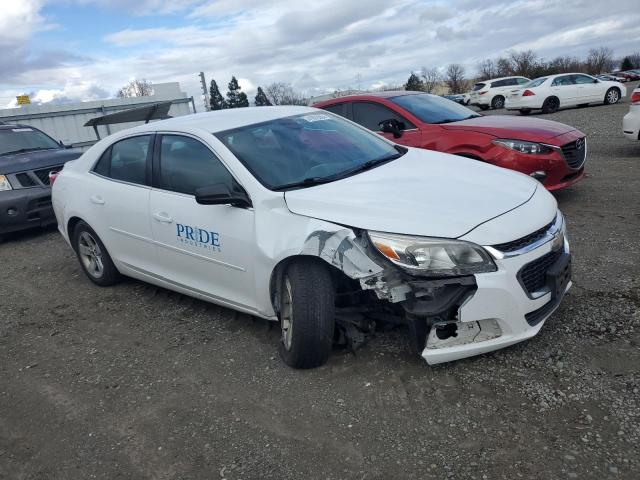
x=126 y=160
x=582 y=79
x=338 y=109
x=478 y=86
x=562 y=81
x=369 y=115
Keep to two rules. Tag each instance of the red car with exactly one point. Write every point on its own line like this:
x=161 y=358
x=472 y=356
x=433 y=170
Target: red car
x=552 y=152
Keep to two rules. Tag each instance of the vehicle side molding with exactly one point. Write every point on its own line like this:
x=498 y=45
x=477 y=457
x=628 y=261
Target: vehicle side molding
x=219 y=194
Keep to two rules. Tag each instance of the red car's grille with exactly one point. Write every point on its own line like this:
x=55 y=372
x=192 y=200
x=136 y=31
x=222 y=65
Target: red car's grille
x=575 y=153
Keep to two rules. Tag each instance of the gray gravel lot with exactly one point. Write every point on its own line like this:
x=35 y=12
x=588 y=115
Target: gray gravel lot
x=138 y=382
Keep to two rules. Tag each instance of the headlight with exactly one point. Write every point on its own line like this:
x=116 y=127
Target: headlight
x=4 y=183
x=523 y=147
x=437 y=257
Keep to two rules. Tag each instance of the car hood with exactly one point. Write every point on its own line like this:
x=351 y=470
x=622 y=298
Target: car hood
x=422 y=193
x=20 y=162
x=511 y=126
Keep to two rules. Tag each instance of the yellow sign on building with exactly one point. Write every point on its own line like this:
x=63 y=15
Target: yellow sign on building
x=23 y=99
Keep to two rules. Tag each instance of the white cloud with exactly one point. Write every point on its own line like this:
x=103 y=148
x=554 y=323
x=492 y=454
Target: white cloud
x=316 y=47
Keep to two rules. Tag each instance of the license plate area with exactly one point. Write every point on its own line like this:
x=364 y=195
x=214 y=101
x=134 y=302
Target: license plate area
x=559 y=275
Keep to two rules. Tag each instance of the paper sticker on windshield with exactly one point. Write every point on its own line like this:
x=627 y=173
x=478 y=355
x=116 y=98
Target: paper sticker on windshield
x=316 y=117
x=22 y=130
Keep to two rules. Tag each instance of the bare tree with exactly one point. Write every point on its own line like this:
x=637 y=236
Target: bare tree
x=281 y=93
x=136 y=88
x=487 y=69
x=503 y=67
x=523 y=63
x=599 y=60
x=454 y=78
x=431 y=78
x=564 y=64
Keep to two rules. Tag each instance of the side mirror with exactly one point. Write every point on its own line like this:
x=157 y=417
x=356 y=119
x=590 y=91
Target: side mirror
x=219 y=194
x=392 y=126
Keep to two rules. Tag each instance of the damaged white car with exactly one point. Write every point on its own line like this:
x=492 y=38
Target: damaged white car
x=299 y=216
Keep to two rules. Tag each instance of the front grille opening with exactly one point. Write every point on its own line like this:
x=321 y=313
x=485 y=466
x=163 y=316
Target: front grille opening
x=522 y=242
x=26 y=180
x=43 y=174
x=533 y=275
x=36 y=205
x=574 y=152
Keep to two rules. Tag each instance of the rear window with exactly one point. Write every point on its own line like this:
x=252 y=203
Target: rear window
x=536 y=82
x=478 y=86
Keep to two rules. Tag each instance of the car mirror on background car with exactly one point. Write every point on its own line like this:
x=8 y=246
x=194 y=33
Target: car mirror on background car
x=219 y=194
x=392 y=126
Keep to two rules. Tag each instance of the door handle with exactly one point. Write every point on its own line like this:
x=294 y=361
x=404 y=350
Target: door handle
x=163 y=217
x=97 y=199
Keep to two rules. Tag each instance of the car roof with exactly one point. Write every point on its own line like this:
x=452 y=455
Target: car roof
x=370 y=95
x=498 y=79
x=221 y=120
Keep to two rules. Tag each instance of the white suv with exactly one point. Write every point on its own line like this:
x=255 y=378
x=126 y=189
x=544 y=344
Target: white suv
x=492 y=93
x=297 y=215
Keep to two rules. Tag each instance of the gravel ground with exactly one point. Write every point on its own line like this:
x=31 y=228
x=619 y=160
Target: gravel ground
x=138 y=382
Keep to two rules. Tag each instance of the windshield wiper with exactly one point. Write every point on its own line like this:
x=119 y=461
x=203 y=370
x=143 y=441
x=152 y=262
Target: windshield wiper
x=307 y=182
x=451 y=120
x=23 y=150
x=312 y=181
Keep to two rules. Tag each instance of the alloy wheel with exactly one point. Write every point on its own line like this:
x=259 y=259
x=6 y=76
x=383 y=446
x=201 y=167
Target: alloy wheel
x=91 y=255
x=612 y=96
x=286 y=315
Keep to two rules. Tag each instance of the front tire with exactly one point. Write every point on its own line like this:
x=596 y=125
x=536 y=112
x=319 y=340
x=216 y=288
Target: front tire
x=484 y=107
x=307 y=314
x=551 y=105
x=497 y=102
x=612 y=96
x=93 y=256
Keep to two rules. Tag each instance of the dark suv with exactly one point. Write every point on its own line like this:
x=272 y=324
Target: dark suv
x=27 y=155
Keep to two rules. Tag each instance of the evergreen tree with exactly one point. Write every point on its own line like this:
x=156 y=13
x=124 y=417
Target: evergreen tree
x=235 y=97
x=261 y=99
x=627 y=64
x=216 y=100
x=414 y=83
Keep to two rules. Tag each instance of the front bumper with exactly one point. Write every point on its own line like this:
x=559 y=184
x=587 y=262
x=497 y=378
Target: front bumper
x=558 y=173
x=496 y=315
x=25 y=208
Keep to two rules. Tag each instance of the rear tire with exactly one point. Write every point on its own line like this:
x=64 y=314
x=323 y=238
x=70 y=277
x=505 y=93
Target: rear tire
x=524 y=111
x=497 y=102
x=307 y=314
x=612 y=96
x=551 y=105
x=93 y=256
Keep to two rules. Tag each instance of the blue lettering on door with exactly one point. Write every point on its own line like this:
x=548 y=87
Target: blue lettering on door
x=198 y=237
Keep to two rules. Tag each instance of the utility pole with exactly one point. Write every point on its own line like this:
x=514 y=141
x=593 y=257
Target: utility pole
x=205 y=92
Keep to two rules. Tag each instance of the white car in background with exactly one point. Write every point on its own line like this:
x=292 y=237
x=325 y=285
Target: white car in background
x=300 y=216
x=631 y=121
x=551 y=93
x=492 y=93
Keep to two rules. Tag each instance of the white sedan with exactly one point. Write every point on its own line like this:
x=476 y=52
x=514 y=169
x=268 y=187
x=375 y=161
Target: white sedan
x=631 y=121
x=299 y=216
x=551 y=93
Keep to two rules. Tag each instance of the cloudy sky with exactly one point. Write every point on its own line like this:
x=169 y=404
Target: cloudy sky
x=59 y=50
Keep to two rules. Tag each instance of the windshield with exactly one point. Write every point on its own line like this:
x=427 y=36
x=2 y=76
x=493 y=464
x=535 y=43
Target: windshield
x=24 y=139
x=535 y=82
x=433 y=109
x=305 y=150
